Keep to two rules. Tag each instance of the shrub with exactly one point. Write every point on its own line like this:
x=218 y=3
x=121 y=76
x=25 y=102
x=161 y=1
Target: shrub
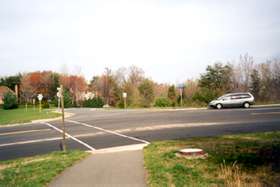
x=162 y=102
x=96 y=102
x=67 y=99
x=45 y=104
x=10 y=101
x=204 y=95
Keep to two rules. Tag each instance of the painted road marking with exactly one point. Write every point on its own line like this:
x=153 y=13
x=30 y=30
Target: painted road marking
x=22 y=132
x=68 y=135
x=109 y=131
x=30 y=141
x=166 y=126
x=50 y=139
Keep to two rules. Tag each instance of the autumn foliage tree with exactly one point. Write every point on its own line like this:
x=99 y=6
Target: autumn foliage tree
x=76 y=85
x=35 y=83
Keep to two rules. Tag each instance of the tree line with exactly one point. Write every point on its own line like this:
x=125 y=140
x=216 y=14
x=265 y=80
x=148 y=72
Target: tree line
x=261 y=79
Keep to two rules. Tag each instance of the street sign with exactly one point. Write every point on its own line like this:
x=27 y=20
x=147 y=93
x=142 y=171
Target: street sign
x=124 y=95
x=181 y=85
x=40 y=97
x=124 y=99
x=58 y=94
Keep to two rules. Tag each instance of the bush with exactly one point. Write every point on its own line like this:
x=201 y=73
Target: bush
x=45 y=104
x=94 y=103
x=67 y=99
x=162 y=102
x=10 y=101
x=204 y=95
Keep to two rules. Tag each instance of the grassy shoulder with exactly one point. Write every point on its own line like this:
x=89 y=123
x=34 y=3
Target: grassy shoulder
x=37 y=170
x=237 y=160
x=21 y=115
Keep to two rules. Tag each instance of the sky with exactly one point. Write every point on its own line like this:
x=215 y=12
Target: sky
x=171 y=40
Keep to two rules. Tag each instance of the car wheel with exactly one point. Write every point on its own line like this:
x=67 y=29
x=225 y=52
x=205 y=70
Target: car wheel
x=246 y=105
x=219 y=106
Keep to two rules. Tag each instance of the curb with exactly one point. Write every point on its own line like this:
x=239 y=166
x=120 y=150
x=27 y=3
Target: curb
x=119 y=149
x=269 y=105
x=66 y=115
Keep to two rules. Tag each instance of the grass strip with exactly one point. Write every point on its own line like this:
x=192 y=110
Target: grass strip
x=21 y=115
x=233 y=160
x=37 y=170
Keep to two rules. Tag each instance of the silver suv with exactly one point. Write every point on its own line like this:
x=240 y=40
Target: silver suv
x=233 y=100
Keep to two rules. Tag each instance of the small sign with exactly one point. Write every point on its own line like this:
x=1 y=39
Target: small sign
x=124 y=95
x=58 y=94
x=181 y=85
x=40 y=97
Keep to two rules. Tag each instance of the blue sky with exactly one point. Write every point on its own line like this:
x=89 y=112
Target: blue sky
x=171 y=40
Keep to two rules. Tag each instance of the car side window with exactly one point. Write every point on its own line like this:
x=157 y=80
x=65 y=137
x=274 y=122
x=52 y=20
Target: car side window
x=235 y=97
x=246 y=96
x=226 y=98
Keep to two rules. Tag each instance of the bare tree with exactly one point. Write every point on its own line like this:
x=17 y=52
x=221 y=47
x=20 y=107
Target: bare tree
x=246 y=66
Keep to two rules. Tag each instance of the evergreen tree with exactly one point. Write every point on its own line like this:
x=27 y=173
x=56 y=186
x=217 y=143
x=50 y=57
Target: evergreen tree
x=255 y=85
x=172 y=95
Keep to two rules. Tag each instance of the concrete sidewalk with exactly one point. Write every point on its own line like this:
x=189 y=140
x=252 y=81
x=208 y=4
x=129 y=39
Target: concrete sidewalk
x=125 y=168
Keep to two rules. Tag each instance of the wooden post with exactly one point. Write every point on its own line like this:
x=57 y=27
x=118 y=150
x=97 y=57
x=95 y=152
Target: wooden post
x=63 y=124
x=181 y=97
x=125 y=102
x=16 y=92
x=40 y=106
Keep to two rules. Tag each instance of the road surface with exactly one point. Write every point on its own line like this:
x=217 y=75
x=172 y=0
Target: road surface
x=91 y=129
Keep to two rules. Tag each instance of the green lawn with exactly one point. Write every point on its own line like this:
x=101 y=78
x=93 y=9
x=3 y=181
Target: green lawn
x=37 y=170
x=20 y=115
x=237 y=160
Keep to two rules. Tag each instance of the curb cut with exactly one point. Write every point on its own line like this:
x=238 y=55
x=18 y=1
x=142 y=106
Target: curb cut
x=67 y=115
x=133 y=147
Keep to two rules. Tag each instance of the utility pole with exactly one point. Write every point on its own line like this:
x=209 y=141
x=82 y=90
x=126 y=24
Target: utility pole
x=63 y=124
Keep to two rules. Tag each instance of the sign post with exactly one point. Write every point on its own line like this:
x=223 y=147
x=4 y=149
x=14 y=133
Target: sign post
x=58 y=94
x=34 y=102
x=62 y=113
x=181 y=96
x=181 y=89
x=124 y=99
x=40 y=97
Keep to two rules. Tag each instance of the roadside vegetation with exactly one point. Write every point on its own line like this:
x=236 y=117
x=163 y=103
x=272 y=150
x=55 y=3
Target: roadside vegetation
x=37 y=170
x=21 y=115
x=233 y=160
x=261 y=79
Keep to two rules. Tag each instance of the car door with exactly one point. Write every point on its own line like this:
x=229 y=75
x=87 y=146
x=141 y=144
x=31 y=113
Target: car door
x=226 y=102
x=236 y=100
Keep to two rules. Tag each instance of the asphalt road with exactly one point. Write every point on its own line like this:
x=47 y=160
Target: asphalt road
x=91 y=129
